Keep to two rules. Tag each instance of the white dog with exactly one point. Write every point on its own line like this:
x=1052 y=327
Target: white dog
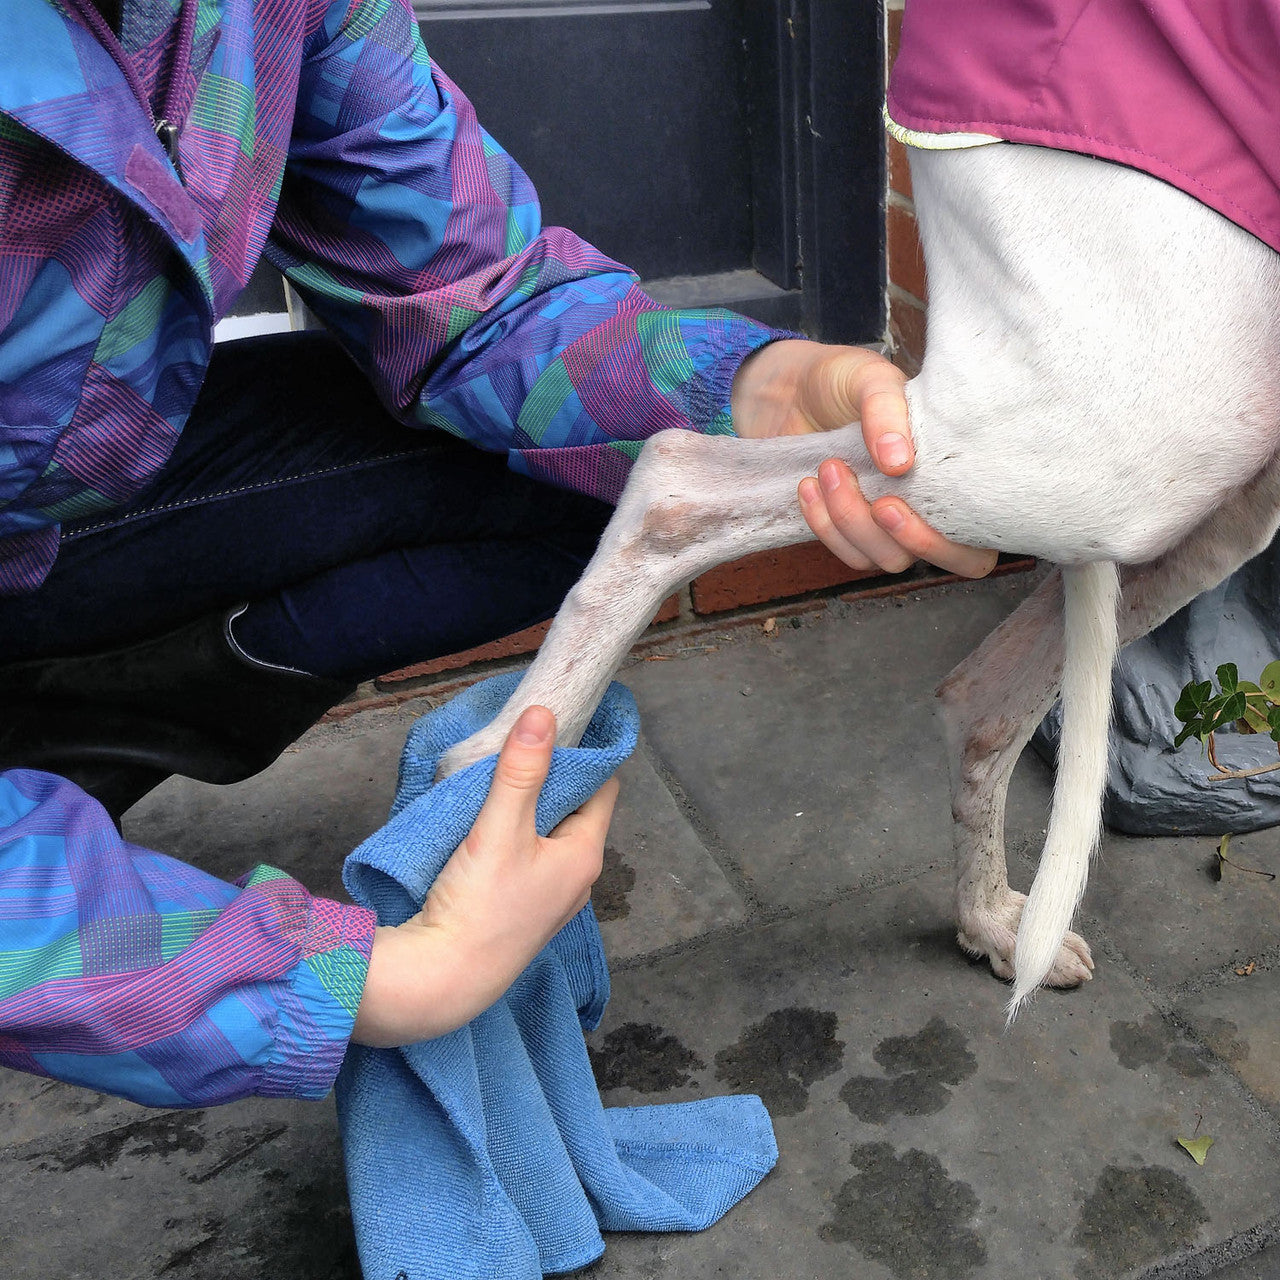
x=1101 y=389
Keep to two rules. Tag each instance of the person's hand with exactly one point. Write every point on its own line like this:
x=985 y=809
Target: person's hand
x=495 y=904
x=792 y=387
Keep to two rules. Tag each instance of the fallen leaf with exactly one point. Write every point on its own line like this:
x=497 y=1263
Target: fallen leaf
x=1196 y=1148
x=1247 y=970
x=770 y=626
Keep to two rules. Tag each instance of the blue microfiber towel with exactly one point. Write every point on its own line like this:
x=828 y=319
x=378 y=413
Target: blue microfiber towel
x=486 y=1154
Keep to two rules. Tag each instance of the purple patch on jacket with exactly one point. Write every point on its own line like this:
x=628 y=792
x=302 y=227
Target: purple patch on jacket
x=149 y=178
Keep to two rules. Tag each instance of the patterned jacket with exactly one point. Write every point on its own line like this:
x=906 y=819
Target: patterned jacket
x=319 y=133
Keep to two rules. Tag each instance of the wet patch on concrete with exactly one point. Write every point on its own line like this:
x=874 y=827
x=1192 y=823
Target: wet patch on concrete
x=1135 y=1216
x=905 y=1213
x=643 y=1057
x=781 y=1056
x=299 y=1225
x=1185 y=1059
x=609 y=893
x=156 y=1135
x=1224 y=1038
x=203 y=1234
x=1142 y=1044
x=1139 y=1044
x=920 y=1068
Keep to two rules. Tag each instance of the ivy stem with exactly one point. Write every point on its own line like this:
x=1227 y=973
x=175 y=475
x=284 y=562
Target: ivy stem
x=1242 y=773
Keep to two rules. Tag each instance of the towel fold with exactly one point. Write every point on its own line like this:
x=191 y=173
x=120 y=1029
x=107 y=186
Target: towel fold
x=486 y=1154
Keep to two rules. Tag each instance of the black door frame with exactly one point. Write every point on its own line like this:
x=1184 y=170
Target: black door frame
x=815 y=80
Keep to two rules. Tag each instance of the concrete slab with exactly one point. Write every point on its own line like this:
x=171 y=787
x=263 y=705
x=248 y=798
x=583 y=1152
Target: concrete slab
x=1238 y=1018
x=809 y=958
x=659 y=886
x=1158 y=903
x=93 y=1187
x=918 y=1139
x=814 y=754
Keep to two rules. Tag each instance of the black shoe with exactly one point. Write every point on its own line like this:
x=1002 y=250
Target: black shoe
x=118 y=722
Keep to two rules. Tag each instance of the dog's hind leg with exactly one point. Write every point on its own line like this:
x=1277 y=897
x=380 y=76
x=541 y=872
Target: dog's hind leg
x=993 y=700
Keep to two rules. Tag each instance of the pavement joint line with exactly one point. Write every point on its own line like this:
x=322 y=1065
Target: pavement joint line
x=766 y=917
x=1222 y=975
x=1205 y=1263
x=706 y=835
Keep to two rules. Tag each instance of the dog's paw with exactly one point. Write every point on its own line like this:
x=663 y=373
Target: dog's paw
x=994 y=934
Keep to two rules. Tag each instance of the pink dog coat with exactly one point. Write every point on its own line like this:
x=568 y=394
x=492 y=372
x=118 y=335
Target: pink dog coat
x=1186 y=90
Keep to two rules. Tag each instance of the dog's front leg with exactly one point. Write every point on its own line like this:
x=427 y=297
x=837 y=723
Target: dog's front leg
x=691 y=502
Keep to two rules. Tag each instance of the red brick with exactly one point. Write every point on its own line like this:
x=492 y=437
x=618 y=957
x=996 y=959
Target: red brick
x=906 y=262
x=893 y=34
x=508 y=647
x=771 y=575
x=511 y=646
x=669 y=611
x=906 y=332
x=899 y=167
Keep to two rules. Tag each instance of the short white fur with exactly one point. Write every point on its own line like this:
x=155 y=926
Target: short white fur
x=1101 y=389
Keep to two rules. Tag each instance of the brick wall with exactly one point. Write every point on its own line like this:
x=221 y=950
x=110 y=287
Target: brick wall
x=751 y=589
x=907 y=291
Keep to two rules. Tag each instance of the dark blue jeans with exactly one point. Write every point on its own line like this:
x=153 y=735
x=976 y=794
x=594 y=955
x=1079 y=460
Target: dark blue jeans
x=361 y=544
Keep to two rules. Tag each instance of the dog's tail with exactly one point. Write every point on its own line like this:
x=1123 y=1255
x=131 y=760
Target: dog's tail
x=1092 y=596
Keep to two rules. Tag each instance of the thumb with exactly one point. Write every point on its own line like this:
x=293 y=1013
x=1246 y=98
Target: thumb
x=855 y=384
x=523 y=764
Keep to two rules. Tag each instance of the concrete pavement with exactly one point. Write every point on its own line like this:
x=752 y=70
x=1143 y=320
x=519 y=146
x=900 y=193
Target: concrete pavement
x=776 y=903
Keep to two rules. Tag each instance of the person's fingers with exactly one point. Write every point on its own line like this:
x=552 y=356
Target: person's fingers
x=855 y=384
x=908 y=530
x=886 y=433
x=590 y=822
x=818 y=518
x=523 y=764
x=851 y=519
x=578 y=842
x=880 y=403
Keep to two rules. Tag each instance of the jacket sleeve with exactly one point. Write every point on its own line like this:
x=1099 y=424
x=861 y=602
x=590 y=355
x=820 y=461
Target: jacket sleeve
x=134 y=974
x=418 y=241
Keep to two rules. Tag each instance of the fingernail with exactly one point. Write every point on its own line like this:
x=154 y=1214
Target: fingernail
x=890 y=518
x=893 y=450
x=829 y=476
x=808 y=490
x=534 y=726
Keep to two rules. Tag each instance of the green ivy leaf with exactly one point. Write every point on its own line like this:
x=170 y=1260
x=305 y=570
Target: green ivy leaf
x=1254 y=719
x=1270 y=681
x=1228 y=677
x=1232 y=708
x=1194 y=698
x=1195 y=726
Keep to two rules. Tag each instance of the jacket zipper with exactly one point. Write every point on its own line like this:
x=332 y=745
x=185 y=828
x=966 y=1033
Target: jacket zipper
x=166 y=128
